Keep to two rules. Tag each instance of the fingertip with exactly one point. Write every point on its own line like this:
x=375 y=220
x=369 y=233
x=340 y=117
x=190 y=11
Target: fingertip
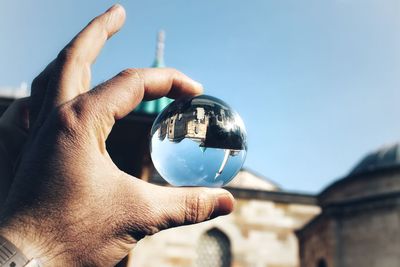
x=185 y=86
x=199 y=89
x=116 y=8
x=223 y=204
x=119 y=9
x=116 y=15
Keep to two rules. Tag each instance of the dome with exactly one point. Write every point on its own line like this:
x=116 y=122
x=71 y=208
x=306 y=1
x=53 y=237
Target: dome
x=387 y=156
x=376 y=174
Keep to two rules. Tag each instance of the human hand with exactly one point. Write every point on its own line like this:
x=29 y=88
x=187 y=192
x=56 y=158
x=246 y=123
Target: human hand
x=69 y=204
x=13 y=133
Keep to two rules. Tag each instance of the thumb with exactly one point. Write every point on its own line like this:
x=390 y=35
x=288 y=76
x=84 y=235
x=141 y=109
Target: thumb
x=191 y=205
x=166 y=207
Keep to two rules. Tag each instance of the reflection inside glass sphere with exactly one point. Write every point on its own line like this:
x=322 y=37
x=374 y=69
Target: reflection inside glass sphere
x=198 y=141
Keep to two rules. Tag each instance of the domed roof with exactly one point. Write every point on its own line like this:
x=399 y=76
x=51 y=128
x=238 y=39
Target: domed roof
x=386 y=156
x=375 y=175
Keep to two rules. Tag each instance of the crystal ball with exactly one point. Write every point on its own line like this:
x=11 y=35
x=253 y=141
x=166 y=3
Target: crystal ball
x=198 y=141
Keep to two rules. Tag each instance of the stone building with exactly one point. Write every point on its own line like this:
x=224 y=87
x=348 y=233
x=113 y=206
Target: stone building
x=191 y=124
x=360 y=220
x=259 y=233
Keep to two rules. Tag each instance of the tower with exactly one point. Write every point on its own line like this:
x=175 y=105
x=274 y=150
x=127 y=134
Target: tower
x=155 y=106
x=128 y=143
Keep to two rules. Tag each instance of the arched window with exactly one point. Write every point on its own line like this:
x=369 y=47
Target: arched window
x=214 y=250
x=322 y=263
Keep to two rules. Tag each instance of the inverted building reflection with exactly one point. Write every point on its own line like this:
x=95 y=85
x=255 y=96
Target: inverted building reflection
x=205 y=122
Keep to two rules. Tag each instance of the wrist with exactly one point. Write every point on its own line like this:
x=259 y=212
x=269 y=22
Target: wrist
x=30 y=246
x=17 y=250
x=12 y=256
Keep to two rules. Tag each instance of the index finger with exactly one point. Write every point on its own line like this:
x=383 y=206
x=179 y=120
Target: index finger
x=72 y=74
x=87 y=44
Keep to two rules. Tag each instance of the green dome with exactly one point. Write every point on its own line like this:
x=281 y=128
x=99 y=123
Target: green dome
x=153 y=106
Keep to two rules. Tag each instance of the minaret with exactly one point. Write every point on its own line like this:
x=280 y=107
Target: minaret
x=159 y=60
x=155 y=106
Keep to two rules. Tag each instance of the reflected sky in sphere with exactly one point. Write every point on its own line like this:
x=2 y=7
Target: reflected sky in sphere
x=186 y=164
x=198 y=141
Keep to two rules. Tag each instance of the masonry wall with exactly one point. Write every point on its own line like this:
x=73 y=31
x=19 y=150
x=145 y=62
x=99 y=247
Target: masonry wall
x=318 y=243
x=371 y=237
x=261 y=234
x=362 y=233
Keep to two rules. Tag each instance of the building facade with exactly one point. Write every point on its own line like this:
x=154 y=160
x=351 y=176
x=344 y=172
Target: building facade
x=360 y=220
x=260 y=232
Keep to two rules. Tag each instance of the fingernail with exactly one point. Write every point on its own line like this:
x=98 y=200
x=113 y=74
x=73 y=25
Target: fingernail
x=223 y=204
x=199 y=87
x=114 y=7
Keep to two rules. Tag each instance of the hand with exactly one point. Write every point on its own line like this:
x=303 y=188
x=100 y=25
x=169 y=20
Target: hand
x=69 y=204
x=13 y=133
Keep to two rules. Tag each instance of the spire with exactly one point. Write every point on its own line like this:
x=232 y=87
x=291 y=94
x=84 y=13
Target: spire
x=156 y=106
x=159 y=60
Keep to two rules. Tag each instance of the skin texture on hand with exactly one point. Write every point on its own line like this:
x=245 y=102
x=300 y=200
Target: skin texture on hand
x=69 y=205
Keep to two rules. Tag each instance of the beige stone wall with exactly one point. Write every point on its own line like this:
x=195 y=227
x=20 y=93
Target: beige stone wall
x=261 y=235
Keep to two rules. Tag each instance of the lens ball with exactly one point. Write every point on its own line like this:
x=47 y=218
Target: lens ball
x=198 y=141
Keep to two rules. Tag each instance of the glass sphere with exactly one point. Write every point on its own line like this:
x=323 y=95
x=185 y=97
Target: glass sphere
x=198 y=141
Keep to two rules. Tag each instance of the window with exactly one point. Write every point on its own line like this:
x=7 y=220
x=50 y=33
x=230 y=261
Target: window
x=322 y=263
x=213 y=250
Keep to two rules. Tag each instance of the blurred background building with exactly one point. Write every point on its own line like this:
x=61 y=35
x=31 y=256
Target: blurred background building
x=353 y=222
x=360 y=220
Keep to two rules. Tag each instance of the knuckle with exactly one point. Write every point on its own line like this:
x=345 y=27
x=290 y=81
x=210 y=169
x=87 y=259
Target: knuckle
x=68 y=55
x=174 y=73
x=82 y=108
x=136 y=78
x=196 y=208
x=71 y=115
x=65 y=117
x=172 y=70
x=175 y=78
x=133 y=73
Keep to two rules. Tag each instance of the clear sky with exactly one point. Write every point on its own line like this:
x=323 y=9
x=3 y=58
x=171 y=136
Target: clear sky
x=316 y=82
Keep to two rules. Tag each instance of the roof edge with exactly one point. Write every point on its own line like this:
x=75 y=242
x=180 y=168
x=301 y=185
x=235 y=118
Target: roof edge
x=262 y=177
x=358 y=175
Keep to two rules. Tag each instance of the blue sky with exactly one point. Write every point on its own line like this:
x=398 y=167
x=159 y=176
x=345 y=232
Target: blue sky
x=316 y=82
